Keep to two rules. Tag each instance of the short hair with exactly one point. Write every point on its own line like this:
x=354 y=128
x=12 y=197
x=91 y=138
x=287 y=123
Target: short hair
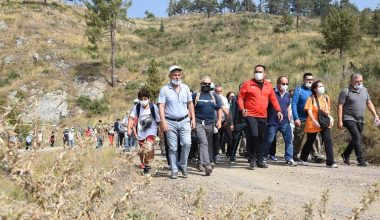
x=307 y=74
x=279 y=79
x=229 y=94
x=218 y=86
x=355 y=75
x=205 y=77
x=143 y=93
x=260 y=65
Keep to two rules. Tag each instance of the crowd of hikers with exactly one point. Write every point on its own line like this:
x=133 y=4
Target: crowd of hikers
x=197 y=126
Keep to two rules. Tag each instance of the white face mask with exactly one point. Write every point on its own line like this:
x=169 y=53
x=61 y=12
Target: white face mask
x=176 y=82
x=259 y=76
x=144 y=102
x=321 y=90
x=356 y=86
x=284 y=88
x=308 y=84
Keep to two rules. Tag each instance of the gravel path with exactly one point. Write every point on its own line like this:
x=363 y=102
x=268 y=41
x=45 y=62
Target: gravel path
x=289 y=187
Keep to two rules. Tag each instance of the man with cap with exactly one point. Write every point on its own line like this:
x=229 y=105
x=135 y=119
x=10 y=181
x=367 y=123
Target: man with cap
x=175 y=106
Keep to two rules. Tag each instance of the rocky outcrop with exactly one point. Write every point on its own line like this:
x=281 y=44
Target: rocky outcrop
x=92 y=87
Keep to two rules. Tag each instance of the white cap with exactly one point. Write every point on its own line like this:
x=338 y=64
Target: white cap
x=175 y=67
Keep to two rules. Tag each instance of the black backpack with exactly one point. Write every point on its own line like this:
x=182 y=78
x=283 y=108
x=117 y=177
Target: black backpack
x=152 y=111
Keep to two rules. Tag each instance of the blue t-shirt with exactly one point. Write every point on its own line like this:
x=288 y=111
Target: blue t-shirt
x=298 y=103
x=205 y=108
x=284 y=102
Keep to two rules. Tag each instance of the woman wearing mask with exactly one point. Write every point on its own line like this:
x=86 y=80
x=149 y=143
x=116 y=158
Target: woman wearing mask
x=318 y=101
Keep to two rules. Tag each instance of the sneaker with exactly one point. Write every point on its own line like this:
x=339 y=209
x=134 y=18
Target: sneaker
x=291 y=163
x=332 y=166
x=218 y=159
x=272 y=157
x=173 y=175
x=346 y=160
x=296 y=158
x=212 y=165
x=147 y=168
x=184 y=172
x=262 y=164
x=201 y=168
x=303 y=163
x=252 y=164
x=208 y=170
x=363 y=164
x=232 y=160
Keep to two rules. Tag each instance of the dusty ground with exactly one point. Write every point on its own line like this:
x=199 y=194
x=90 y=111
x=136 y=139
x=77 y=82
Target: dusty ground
x=290 y=188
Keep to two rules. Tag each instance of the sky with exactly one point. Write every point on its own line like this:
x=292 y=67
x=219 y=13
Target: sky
x=158 y=7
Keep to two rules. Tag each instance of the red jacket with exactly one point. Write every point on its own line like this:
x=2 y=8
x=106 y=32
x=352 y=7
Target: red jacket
x=256 y=100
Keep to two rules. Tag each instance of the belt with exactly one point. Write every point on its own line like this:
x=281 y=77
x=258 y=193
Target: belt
x=206 y=122
x=178 y=119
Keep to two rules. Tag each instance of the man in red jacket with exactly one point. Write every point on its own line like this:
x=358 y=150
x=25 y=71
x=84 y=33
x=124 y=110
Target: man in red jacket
x=254 y=97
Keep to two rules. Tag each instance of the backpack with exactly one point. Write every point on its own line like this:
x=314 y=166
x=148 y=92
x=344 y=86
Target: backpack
x=152 y=111
x=199 y=94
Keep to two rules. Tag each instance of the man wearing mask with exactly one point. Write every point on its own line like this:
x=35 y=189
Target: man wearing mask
x=205 y=104
x=300 y=96
x=274 y=125
x=254 y=97
x=351 y=108
x=175 y=107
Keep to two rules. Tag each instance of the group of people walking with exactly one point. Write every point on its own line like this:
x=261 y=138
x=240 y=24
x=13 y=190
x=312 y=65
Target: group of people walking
x=261 y=111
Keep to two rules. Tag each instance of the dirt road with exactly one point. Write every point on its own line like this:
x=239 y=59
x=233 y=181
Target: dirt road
x=289 y=187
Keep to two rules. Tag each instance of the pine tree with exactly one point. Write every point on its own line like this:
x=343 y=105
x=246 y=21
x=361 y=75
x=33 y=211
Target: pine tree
x=154 y=80
x=375 y=23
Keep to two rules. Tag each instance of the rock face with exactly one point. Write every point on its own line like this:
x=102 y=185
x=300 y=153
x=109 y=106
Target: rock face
x=3 y=25
x=49 y=107
x=93 y=88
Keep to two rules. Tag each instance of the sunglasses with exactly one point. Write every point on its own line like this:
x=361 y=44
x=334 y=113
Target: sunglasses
x=206 y=84
x=285 y=84
x=258 y=72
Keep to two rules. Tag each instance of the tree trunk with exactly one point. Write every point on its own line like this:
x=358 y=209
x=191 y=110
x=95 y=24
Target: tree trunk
x=340 y=53
x=113 y=50
x=298 y=13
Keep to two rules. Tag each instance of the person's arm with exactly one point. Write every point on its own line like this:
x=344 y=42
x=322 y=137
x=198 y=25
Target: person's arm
x=164 y=124
x=273 y=100
x=309 y=109
x=289 y=113
x=241 y=98
x=294 y=103
x=372 y=109
x=190 y=106
x=130 y=126
x=340 y=116
x=219 y=122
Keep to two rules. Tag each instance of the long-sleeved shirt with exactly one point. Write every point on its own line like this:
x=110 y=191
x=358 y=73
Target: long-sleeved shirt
x=255 y=99
x=298 y=102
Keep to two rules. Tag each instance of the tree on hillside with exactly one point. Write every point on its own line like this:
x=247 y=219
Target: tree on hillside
x=300 y=7
x=365 y=20
x=375 y=23
x=320 y=7
x=231 y=5
x=248 y=5
x=154 y=81
x=340 y=29
x=101 y=19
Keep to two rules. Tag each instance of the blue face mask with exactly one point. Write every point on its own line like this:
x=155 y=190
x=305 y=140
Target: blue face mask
x=176 y=82
x=357 y=87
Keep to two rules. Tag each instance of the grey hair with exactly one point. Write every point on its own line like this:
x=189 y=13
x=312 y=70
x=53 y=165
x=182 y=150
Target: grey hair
x=356 y=75
x=205 y=77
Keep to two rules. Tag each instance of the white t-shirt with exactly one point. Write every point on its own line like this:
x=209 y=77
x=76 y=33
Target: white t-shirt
x=144 y=114
x=71 y=135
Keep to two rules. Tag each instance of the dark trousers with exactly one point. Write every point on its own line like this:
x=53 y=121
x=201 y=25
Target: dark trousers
x=228 y=138
x=355 y=129
x=272 y=148
x=256 y=135
x=327 y=140
x=217 y=143
x=121 y=136
x=194 y=146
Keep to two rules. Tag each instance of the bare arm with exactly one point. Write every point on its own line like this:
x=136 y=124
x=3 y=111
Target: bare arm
x=130 y=125
x=372 y=108
x=190 y=106
x=219 y=122
x=164 y=124
x=340 y=115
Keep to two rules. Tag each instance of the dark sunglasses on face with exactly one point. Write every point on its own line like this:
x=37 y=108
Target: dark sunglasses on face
x=285 y=84
x=206 y=84
x=258 y=72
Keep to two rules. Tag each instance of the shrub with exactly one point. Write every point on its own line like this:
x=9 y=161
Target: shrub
x=93 y=107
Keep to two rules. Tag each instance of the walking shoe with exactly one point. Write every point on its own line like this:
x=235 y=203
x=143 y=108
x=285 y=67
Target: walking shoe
x=212 y=165
x=262 y=164
x=218 y=159
x=319 y=159
x=291 y=163
x=303 y=163
x=174 y=175
x=201 y=168
x=272 y=157
x=332 y=166
x=346 y=160
x=363 y=164
x=296 y=158
x=252 y=164
x=184 y=172
x=208 y=170
x=146 y=169
x=232 y=160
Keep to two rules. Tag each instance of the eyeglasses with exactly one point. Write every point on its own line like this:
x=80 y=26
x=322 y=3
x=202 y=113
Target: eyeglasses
x=309 y=79
x=258 y=72
x=206 y=84
x=285 y=84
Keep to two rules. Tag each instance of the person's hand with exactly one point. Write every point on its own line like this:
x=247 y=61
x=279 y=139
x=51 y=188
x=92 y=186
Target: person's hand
x=340 y=124
x=164 y=126
x=129 y=132
x=316 y=123
x=244 y=112
x=218 y=124
x=297 y=123
x=280 y=116
x=193 y=124
x=232 y=127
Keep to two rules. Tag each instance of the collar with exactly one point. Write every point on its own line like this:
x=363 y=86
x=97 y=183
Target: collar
x=253 y=82
x=278 y=91
x=170 y=85
x=351 y=89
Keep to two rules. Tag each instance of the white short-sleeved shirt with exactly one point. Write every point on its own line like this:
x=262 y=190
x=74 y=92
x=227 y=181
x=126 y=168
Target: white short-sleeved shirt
x=145 y=113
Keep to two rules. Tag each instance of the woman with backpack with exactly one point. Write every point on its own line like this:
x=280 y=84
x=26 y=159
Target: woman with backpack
x=318 y=119
x=147 y=120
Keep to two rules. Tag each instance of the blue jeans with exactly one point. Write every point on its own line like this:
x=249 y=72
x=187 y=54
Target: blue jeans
x=178 y=130
x=286 y=132
x=71 y=143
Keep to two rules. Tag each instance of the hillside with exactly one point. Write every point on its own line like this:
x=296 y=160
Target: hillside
x=44 y=57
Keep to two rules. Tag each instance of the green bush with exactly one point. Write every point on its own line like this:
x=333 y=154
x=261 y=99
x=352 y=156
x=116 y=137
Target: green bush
x=132 y=86
x=93 y=107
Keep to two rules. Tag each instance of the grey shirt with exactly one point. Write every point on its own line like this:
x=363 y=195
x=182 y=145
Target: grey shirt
x=175 y=103
x=354 y=103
